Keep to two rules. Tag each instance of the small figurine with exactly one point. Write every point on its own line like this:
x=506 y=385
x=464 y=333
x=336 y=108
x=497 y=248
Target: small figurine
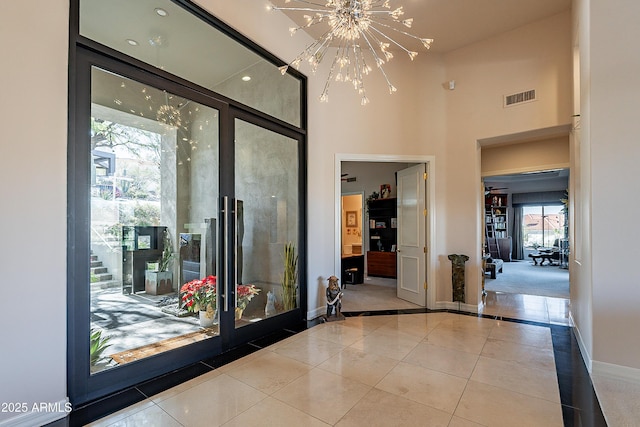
x=334 y=297
x=270 y=308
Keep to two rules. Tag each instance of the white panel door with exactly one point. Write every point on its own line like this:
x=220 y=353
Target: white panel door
x=411 y=248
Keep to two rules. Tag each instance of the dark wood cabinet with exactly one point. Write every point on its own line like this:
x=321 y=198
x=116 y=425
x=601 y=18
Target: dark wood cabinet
x=381 y=264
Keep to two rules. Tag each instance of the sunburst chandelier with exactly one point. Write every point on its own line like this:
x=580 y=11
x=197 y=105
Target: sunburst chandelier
x=354 y=27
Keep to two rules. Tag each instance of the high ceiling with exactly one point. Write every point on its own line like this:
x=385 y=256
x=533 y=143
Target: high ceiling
x=457 y=23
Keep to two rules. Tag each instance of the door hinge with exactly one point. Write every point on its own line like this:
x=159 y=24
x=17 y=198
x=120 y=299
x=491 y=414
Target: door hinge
x=425 y=249
x=425 y=285
x=424 y=212
x=424 y=175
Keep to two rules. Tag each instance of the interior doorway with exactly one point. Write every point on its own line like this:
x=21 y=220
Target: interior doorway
x=526 y=228
x=371 y=256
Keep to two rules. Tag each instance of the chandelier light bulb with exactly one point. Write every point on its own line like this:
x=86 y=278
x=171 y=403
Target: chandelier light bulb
x=355 y=27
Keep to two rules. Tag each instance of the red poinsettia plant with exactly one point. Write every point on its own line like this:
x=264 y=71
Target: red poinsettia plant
x=199 y=293
x=246 y=294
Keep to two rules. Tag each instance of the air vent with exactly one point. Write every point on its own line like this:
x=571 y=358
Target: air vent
x=520 y=98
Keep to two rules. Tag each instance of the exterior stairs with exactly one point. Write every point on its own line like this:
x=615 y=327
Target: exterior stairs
x=100 y=276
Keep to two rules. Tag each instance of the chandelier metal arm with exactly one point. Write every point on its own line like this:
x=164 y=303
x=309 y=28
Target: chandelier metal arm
x=357 y=26
x=380 y=62
x=372 y=28
x=423 y=40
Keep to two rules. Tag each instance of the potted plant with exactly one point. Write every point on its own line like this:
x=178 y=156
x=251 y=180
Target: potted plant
x=98 y=344
x=199 y=296
x=245 y=294
x=289 y=277
x=373 y=196
x=159 y=277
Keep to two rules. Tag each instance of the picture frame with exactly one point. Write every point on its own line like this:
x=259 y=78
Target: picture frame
x=144 y=242
x=352 y=219
x=385 y=191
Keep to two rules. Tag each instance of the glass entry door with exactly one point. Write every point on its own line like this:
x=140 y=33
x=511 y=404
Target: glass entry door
x=154 y=221
x=266 y=224
x=190 y=214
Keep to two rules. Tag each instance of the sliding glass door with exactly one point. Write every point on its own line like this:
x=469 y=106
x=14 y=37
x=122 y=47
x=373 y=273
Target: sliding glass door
x=542 y=226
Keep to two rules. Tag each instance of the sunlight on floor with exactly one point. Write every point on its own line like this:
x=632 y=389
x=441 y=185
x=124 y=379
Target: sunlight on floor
x=527 y=307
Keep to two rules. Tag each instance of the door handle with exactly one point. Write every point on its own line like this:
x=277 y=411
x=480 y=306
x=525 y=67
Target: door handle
x=225 y=258
x=398 y=250
x=236 y=202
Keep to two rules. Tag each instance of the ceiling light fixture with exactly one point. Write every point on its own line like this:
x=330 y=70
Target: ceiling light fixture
x=132 y=42
x=246 y=78
x=160 y=11
x=355 y=27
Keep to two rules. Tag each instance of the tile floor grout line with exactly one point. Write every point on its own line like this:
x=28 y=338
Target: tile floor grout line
x=518 y=321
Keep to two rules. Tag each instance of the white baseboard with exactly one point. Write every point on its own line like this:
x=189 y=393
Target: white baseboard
x=586 y=356
x=313 y=314
x=34 y=418
x=617 y=372
x=450 y=305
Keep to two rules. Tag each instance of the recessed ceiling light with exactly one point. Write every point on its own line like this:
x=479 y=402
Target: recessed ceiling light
x=246 y=78
x=132 y=42
x=161 y=12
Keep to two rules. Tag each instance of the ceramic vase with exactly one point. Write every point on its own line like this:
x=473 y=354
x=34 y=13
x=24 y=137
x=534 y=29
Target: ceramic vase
x=208 y=317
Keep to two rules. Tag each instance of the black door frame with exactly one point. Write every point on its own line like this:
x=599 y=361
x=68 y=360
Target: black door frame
x=84 y=54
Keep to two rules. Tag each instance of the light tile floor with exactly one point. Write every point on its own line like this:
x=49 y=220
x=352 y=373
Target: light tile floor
x=428 y=369
x=527 y=307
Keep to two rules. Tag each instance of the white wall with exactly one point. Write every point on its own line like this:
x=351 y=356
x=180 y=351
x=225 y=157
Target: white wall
x=613 y=90
x=580 y=266
x=33 y=171
x=536 y=56
x=546 y=154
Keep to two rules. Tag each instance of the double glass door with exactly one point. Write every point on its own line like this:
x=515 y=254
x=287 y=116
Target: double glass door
x=192 y=233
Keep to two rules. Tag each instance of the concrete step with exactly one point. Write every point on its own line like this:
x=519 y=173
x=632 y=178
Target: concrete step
x=105 y=285
x=99 y=270
x=95 y=264
x=104 y=277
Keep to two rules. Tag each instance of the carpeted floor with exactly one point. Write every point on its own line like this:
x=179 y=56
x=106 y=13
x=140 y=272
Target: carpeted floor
x=522 y=277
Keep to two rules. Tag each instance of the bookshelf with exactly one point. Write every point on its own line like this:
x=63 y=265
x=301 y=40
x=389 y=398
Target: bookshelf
x=381 y=256
x=496 y=221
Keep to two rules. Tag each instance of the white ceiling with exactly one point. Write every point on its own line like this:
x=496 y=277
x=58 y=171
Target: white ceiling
x=457 y=23
x=551 y=180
